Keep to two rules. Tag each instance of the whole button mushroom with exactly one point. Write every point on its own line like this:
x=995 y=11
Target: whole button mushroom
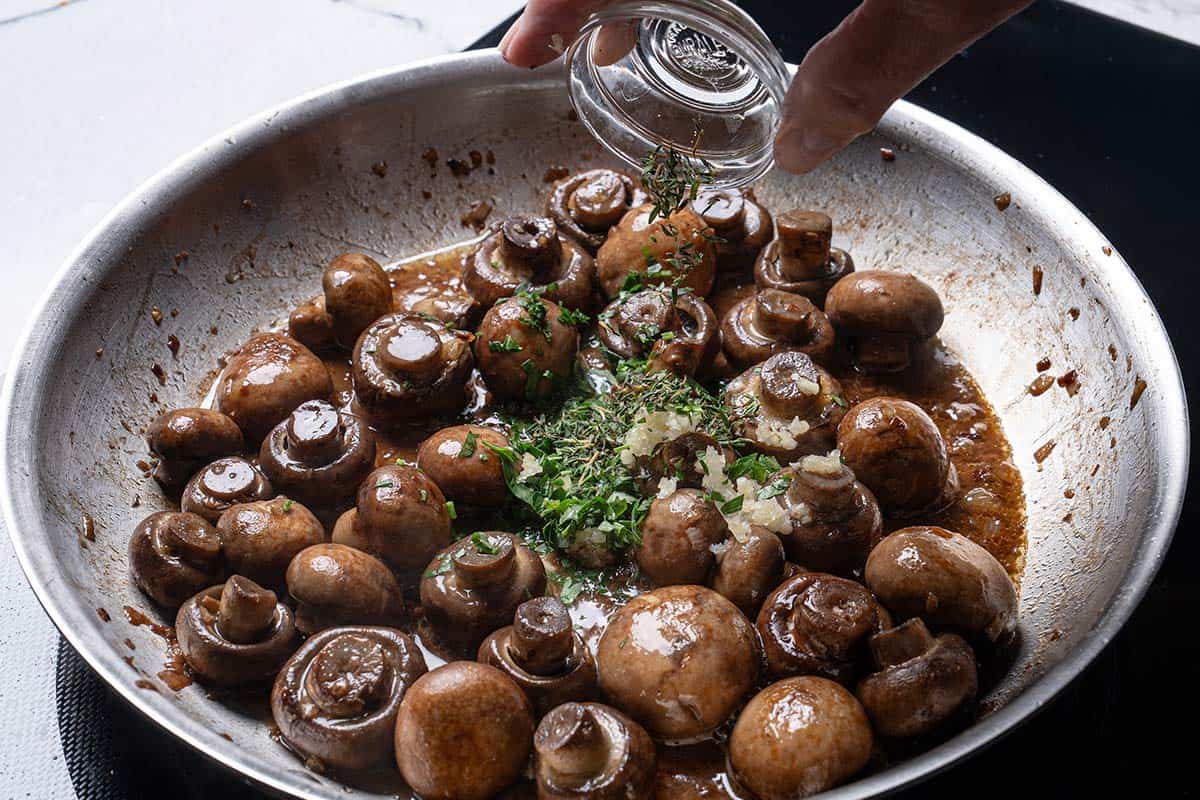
x=835 y=520
x=883 y=316
x=318 y=454
x=357 y=293
x=818 y=624
x=173 y=555
x=654 y=248
x=678 y=536
x=524 y=349
x=676 y=331
x=749 y=569
x=464 y=733
x=261 y=538
x=222 y=484
x=460 y=460
x=741 y=224
x=898 y=452
x=401 y=517
x=922 y=682
x=526 y=250
x=338 y=698
x=800 y=259
x=543 y=655
x=787 y=407
x=946 y=579
x=773 y=321
x=594 y=751
x=678 y=660
x=186 y=439
x=407 y=368
x=798 y=737
x=310 y=325
x=333 y=585
x=474 y=586
x=265 y=379
x=677 y=460
x=236 y=633
x=587 y=204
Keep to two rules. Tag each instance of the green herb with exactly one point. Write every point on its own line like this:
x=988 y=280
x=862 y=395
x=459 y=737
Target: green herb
x=535 y=310
x=384 y=485
x=287 y=505
x=624 y=642
x=450 y=510
x=841 y=401
x=483 y=544
x=509 y=345
x=483 y=456
x=468 y=445
x=775 y=488
x=755 y=466
x=668 y=336
x=672 y=178
x=732 y=506
x=571 y=316
x=443 y=566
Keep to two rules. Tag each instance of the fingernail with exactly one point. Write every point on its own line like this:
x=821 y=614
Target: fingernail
x=803 y=149
x=507 y=38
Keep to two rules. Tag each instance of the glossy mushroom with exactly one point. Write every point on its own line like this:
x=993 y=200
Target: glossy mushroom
x=464 y=732
x=318 y=454
x=524 y=349
x=461 y=461
x=946 y=579
x=638 y=245
x=332 y=584
x=659 y=658
x=543 y=655
x=473 y=587
x=835 y=520
x=261 y=538
x=266 y=379
x=406 y=367
x=798 y=737
x=401 y=517
x=337 y=699
x=310 y=325
x=676 y=331
x=173 y=555
x=236 y=633
x=525 y=250
x=748 y=569
x=590 y=750
x=678 y=537
x=742 y=226
x=222 y=484
x=186 y=439
x=884 y=317
x=787 y=406
x=677 y=460
x=818 y=624
x=922 y=682
x=773 y=321
x=357 y=293
x=587 y=204
x=800 y=260
x=898 y=452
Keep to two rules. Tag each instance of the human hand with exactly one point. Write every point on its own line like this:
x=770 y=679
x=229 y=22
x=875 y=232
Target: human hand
x=844 y=85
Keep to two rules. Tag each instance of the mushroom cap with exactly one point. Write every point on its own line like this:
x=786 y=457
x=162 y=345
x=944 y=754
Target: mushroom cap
x=772 y=321
x=677 y=459
x=835 y=520
x=318 y=454
x=750 y=569
x=659 y=654
x=357 y=293
x=402 y=515
x=742 y=224
x=219 y=661
x=876 y=302
x=464 y=731
x=946 y=579
x=592 y=750
x=333 y=584
x=587 y=204
x=527 y=250
x=528 y=361
x=265 y=379
x=261 y=538
x=677 y=538
x=798 y=737
x=173 y=555
x=636 y=242
x=222 y=484
x=186 y=439
x=678 y=332
x=472 y=475
x=338 y=697
x=310 y=325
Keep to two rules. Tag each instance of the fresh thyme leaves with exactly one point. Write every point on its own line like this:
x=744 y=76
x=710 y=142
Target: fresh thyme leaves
x=483 y=544
x=468 y=446
x=570 y=316
x=535 y=310
x=509 y=345
x=672 y=178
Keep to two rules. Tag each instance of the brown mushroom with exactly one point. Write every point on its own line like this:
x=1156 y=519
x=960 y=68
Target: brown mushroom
x=678 y=660
x=310 y=325
x=236 y=633
x=337 y=699
x=946 y=579
x=655 y=249
x=261 y=538
x=524 y=349
x=265 y=379
x=473 y=587
x=677 y=331
x=798 y=737
x=749 y=569
x=333 y=585
x=678 y=536
x=587 y=204
x=543 y=655
x=594 y=751
x=460 y=460
x=406 y=368
x=800 y=259
x=402 y=518
x=173 y=555
x=222 y=484
x=921 y=683
x=464 y=732
x=773 y=321
x=835 y=520
x=742 y=225
x=883 y=317
x=787 y=406
x=525 y=250
x=678 y=460
x=898 y=452
x=318 y=454
x=357 y=293
x=818 y=624
x=186 y=439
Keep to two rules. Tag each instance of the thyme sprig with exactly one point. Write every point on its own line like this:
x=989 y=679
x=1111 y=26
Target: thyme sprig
x=672 y=178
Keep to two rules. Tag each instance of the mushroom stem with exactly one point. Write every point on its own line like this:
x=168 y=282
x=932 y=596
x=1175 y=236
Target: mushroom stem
x=829 y=496
x=883 y=352
x=542 y=639
x=572 y=742
x=783 y=315
x=723 y=209
x=315 y=432
x=489 y=562
x=902 y=643
x=412 y=351
x=531 y=242
x=598 y=203
x=804 y=238
x=247 y=610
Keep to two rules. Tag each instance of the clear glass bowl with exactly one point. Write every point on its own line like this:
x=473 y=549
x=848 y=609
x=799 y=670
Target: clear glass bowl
x=701 y=77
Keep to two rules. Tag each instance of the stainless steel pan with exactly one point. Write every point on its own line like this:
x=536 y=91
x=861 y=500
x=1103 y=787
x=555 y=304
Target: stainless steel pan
x=235 y=233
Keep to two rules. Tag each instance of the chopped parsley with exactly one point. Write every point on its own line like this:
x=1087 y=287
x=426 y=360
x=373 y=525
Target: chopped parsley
x=287 y=505
x=755 y=466
x=451 y=510
x=571 y=316
x=468 y=445
x=509 y=345
x=483 y=544
x=384 y=485
x=841 y=401
x=774 y=488
x=530 y=300
x=732 y=506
